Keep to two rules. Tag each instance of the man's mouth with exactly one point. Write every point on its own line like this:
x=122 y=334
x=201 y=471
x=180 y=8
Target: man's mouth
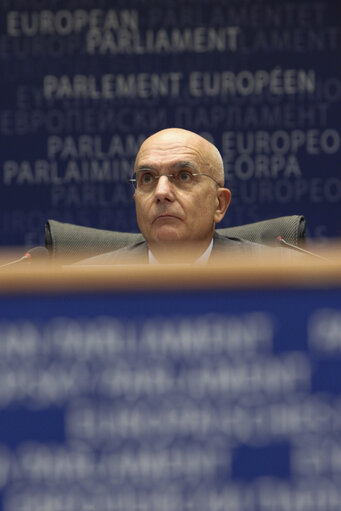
x=165 y=216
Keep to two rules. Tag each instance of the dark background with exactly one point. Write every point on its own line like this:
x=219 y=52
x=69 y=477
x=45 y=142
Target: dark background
x=84 y=82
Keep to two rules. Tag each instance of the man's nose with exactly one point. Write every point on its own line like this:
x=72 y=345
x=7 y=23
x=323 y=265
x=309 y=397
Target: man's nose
x=164 y=189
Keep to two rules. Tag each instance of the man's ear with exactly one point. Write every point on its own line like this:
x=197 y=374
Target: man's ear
x=224 y=199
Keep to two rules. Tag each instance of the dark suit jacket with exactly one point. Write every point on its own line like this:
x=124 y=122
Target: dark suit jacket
x=138 y=252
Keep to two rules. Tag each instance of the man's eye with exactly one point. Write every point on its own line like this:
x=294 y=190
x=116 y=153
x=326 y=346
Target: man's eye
x=146 y=179
x=185 y=176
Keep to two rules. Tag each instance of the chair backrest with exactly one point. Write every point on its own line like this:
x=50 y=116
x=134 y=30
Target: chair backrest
x=292 y=228
x=76 y=242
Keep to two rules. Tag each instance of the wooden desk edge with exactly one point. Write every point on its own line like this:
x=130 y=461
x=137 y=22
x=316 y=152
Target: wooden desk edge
x=232 y=273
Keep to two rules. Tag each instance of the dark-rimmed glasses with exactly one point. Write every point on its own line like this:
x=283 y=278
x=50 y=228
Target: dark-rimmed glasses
x=147 y=180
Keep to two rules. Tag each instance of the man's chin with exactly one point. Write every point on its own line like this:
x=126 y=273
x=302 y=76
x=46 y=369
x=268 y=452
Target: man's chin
x=168 y=234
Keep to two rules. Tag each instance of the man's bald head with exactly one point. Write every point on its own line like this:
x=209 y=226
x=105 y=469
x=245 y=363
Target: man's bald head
x=180 y=195
x=210 y=157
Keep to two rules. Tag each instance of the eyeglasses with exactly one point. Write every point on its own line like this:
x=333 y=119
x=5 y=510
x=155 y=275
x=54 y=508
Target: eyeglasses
x=146 y=180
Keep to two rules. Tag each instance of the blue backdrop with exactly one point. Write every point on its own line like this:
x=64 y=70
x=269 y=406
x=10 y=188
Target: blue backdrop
x=84 y=82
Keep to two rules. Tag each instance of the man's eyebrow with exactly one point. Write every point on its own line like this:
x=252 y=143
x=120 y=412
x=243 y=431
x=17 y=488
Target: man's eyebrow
x=145 y=167
x=182 y=164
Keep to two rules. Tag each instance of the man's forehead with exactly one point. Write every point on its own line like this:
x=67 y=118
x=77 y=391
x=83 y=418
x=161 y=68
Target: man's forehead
x=169 y=154
x=171 y=165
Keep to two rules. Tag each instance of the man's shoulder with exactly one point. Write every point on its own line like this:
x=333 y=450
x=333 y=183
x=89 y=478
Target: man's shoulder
x=134 y=253
x=227 y=244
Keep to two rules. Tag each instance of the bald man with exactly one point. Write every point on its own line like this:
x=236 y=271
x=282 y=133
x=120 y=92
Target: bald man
x=179 y=194
x=179 y=197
